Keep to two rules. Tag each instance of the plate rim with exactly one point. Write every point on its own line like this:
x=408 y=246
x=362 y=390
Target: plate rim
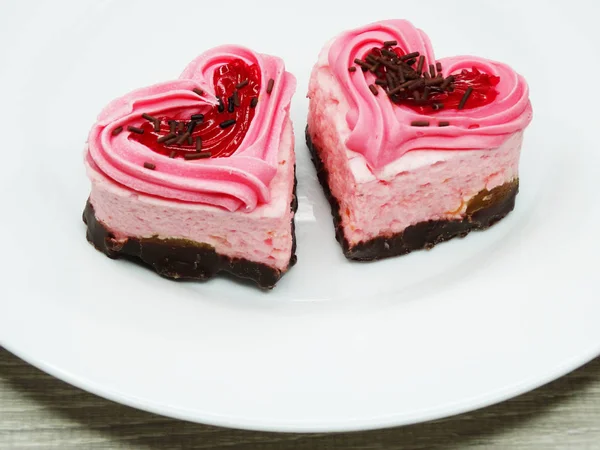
x=83 y=380
x=390 y=421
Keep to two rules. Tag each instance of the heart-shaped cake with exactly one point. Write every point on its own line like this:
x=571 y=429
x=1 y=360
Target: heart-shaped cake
x=196 y=176
x=412 y=150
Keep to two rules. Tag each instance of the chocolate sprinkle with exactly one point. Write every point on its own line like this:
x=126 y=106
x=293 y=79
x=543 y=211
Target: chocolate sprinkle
x=352 y=69
x=180 y=127
x=399 y=88
x=401 y=77
x=387 y=52
x=117 y=131
x=221 y=106
x=227 y=123
x=230 y=105
x=200 y=92
x=389 y=64
x=197 y=117
x=409 y=56
x=182 y=138
x=420 y=64
x=391 y=80
x=150 y=166
x=463 y=100
x=362 y=64
x=242 y=84
x=156 y=125
x=198 y=144
x=236 y=99
x=447 y=82
x=432 y=70
x=270 y=86
x=253 y=102
x=172 y=126
x=390 y=43
x=434 y=81
x=135 y=130
x=438 y=66
x=149 y=118
x=419 y=123
x=173 y=153
x=166 y=137
x=171 y=141
x=426 y=92
x=443 y=124
x=418 y=84
x=191 y=126
x=200 y=155
x=374 y=89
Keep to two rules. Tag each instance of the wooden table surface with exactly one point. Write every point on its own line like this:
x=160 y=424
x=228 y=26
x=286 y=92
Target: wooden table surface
x=39 y=412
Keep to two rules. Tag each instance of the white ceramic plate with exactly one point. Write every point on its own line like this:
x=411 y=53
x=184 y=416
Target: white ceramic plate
x=337 y=345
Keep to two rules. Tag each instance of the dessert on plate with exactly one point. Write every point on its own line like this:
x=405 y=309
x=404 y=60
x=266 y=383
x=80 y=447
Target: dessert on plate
x=412 y=150
x=197 y=176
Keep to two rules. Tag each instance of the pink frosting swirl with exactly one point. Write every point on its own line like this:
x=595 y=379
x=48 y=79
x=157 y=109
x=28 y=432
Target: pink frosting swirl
x=241 y=180
x=381 y=131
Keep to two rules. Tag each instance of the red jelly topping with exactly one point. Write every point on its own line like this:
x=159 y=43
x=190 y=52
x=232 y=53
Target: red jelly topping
x=217 y=137
x=483 y=92
x=427 y=97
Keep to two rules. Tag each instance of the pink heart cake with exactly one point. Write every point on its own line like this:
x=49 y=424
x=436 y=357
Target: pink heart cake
x=196 y=176
x=412 y=150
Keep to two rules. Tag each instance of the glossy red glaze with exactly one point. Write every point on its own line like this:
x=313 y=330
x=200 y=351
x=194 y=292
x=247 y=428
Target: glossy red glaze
x=484 y=92
x=220 y=142
x=483 y=85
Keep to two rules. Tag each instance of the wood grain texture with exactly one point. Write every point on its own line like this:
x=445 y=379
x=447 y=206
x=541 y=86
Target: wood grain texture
x=41 y=412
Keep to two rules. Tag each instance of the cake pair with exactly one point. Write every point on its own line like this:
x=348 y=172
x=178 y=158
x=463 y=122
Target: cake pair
x=197 y=176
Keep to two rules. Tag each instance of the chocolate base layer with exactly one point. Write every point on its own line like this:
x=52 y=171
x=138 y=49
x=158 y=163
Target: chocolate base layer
x=180 y=258
x=483 y=211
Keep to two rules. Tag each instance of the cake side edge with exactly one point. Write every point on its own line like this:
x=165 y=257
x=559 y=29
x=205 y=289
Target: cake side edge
x=181 y=259
x=484 y=210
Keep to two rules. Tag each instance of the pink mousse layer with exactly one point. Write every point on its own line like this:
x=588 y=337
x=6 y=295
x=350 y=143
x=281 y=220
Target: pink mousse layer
x=240 y=181
x=382 y=132
x=263 y=235
x=422 y=185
